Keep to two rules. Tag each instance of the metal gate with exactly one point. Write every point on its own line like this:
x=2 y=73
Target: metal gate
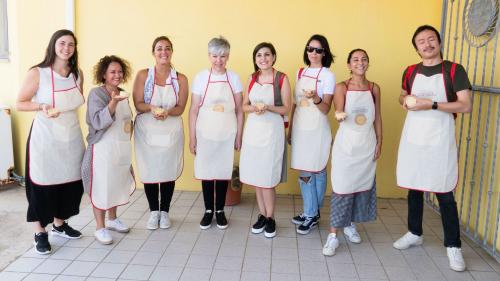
x=469 y=29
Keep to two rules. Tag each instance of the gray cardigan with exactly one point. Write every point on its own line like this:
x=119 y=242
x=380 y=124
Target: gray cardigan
x=98 y=116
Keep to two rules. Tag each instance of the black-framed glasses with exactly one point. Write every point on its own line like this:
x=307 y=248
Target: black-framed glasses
x=318 y=51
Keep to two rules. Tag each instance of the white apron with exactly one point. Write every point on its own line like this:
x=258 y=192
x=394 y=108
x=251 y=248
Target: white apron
x=56 y=145
x=261 y=157
x=311 y=133
x=111 y=179
x=428 y=157
x=353 y=168
x=215 y=132
x=159 y=144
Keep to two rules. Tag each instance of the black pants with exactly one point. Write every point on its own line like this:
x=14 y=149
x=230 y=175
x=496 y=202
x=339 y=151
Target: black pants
x=449 y=216
x=166 y=191
x=220 y=187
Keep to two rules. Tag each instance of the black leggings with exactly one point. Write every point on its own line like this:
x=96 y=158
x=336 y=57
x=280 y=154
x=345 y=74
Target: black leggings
x=220 y=187
x=449 y=216
x=166 y=191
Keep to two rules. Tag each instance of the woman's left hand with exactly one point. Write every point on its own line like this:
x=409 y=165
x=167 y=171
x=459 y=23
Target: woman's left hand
x=378 y=151
x=237 y=143
x=422 y=104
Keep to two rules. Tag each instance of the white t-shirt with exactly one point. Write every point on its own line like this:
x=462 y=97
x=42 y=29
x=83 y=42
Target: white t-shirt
x=326 y=80
x=201 y=79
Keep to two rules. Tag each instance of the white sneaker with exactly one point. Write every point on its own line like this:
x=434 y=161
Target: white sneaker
x=408 y=240
x=164 y=220
x=331 y=244
x=117 y=225
x=456 y=259
x=352 y=234
x=154 y=218
x=102 y=235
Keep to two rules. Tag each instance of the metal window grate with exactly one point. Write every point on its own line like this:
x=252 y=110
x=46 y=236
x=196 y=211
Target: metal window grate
x=470 y=37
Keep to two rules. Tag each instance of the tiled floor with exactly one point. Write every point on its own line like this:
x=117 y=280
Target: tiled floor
x=185 y=252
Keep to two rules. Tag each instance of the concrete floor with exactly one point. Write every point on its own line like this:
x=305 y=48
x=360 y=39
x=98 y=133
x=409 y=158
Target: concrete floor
x=184 y=252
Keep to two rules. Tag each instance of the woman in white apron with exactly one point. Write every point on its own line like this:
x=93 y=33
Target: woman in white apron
x=160 y=95
x=54 y=151
x=215 y=129
x=107 y=164
x=357 y=147
x=310 y=133
x=261 y=158
x=433 y=91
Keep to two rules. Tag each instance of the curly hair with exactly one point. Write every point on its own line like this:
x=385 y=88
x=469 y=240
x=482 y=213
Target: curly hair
x=102 y=66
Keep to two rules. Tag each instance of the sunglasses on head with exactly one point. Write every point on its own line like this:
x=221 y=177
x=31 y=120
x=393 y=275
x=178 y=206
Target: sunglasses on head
x=318 y=51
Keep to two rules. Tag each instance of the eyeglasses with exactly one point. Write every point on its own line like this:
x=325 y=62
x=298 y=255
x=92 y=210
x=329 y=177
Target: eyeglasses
x=318 y=51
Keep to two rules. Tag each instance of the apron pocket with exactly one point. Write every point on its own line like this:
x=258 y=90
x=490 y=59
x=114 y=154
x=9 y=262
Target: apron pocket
x=163 y=140
x=423 y=131
x=307 y=118
x=123 y=152
x=258 y=133
x=216 y=126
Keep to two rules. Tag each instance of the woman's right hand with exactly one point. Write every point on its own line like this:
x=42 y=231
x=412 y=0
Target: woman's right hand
x=115 y=96
x=162 y=116
x=192 y=146
x=49 y=111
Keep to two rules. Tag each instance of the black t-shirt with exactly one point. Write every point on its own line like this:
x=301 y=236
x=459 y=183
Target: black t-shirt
x=459 y=83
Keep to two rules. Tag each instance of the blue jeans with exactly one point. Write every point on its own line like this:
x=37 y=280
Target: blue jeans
x=313 y=191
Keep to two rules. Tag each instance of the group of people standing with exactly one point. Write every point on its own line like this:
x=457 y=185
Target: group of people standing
x=59 y=168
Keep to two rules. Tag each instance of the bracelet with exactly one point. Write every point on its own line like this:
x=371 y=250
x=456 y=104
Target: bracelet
x=320 y=101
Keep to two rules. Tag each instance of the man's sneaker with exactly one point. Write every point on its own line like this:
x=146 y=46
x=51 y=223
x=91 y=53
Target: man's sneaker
x=153 y=220
x=331 y=244
x=308 y=224
x=456 y=259
x=66 y=231
x=117 y=225
x=220 y=217
x=259 y=225
x=164 y=220
x=299 y=219
x=206 y=221
x=42 y=245
x=352 y=234
x=408 y=240
x=270 y=229
x=102 y=235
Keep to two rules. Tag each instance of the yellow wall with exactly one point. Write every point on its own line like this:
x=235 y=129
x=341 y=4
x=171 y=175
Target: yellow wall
x=31 y=23
x=128 y=27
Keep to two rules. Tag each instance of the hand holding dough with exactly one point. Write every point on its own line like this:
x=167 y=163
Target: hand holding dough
x=340 y=116
x=124 y=94
x=410 y=101
x=52 y=112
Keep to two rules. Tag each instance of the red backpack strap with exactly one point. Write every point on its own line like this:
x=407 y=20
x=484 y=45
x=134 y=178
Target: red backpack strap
x=408 y=77
x=252 y=81
x=452 y=72
x=300 y=72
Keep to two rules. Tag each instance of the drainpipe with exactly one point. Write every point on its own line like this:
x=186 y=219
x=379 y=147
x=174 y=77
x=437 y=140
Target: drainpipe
x=70 y=14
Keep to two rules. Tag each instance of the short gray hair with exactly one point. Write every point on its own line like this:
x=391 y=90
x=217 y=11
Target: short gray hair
x=218 y=46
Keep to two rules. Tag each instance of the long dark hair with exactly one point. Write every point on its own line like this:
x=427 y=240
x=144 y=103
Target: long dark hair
x=50 y=53
x=260 y=46
x=328 y=58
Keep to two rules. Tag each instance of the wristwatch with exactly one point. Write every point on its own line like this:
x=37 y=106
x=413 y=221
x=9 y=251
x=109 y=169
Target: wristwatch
x=435 y=105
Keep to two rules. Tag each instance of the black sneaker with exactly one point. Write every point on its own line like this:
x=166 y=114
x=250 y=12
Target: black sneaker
x=259 y=226
x=42 y=245
x=308 y=224
x=299 y=219
x=66 y=231
x=220 y=217
x=270 y=230
x=206 y=221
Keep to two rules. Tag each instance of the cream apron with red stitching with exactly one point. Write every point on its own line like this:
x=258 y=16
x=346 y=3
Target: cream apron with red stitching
x=428 y=157
x=159 y=144
x=215 y=132
x=111 y=181
x=311 y=133
x=353 y=168
x=56 y=144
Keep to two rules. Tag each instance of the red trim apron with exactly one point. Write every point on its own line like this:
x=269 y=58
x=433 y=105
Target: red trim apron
x=56 y=145
x=216 y=128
